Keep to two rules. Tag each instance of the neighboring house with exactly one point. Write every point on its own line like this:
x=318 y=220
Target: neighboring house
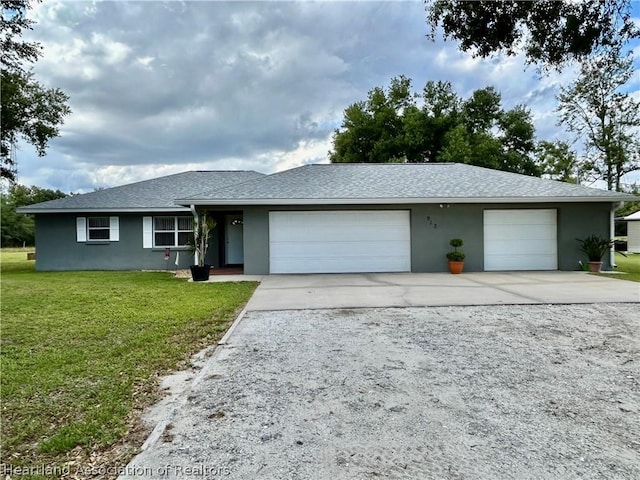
x=633 y=232
x=332 y=218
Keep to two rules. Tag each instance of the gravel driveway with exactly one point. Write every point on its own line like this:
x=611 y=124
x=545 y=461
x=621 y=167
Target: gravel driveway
x=526 y=392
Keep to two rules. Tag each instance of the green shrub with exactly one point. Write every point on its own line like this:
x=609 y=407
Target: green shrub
x=594 y=247
x=456 y=256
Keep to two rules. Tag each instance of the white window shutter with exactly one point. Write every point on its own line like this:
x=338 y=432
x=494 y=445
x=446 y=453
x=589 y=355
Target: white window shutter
x=81 y=229
x=114 y=229
x=147 y=232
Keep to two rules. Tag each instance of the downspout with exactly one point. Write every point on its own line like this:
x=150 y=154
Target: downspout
x=195 y=222
x=612 y=234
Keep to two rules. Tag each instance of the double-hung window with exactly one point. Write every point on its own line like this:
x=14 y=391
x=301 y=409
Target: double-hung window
x=97 y=229
x=172 y=231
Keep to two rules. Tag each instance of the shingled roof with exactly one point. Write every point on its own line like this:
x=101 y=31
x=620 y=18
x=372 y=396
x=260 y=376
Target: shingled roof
x=398 y=183
x=329 y=184
x=155 y=195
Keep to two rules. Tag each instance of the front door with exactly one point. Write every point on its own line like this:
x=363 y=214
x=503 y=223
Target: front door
x=233 y=252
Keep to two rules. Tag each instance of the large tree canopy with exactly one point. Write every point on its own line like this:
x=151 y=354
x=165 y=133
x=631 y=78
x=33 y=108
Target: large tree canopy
x=398 y=125
x=549 y=32
x=603 y=117
x=29 y=110
x=559 y=162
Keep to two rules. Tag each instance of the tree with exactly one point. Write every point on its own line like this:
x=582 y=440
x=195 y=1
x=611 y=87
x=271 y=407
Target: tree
x=13 y=21
x=442 y=111
x=559 y=162
x=18 y=229
x=396 y=125
x=372 y=130
x=29 y=110
x=481 y=110
x=550 y=32
x=491 y=137
x=605 y=118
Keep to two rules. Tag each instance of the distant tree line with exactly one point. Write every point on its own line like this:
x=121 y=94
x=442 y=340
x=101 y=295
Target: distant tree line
x=18 y=229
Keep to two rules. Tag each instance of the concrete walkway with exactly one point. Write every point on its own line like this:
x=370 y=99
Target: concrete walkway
x=296 y=292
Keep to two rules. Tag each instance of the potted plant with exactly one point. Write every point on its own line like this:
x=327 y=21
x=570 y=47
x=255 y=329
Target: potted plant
x=199 y=244
x=456 y=258
x=594 y=247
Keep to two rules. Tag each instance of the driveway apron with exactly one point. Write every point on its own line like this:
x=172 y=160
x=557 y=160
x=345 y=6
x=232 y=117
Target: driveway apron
x=294 y=292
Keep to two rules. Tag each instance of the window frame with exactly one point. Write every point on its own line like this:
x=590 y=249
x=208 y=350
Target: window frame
x=97 y=229
x=176 y=230
x=82 y=230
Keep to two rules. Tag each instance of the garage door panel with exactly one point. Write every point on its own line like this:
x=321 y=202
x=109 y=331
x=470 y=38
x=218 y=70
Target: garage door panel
x=518 y=232
x=329 y=233
x=334 y=249
x=340 y=264
x=339 y=241
x=520 y=217
x=333 y=217
x=531 y=262
x=531 y=247
x=520 y=239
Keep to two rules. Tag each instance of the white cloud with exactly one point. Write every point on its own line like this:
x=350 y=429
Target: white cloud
x=306 y=152
x=159 y=88
x=112 y=51
x=145 y=61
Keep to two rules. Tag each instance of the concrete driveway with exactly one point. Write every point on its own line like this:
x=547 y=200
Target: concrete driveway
x=295 y=292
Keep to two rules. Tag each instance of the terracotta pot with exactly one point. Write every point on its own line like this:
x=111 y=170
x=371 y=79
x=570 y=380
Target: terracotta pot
x=455 y=267
x=200 y=274
x=595 y=267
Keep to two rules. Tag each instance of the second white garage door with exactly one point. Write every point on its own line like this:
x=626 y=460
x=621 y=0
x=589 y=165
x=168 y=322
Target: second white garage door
x=520 y=240
x=340 y=241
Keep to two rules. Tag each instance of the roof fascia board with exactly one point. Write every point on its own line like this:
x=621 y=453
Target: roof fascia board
x=177 y=208
x=397 y=201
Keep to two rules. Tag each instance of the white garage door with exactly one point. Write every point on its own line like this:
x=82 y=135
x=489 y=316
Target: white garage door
x=339 y=241
x=520 y=240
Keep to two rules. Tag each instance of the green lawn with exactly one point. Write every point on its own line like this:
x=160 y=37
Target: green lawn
x=82 y=353
x=629 y=264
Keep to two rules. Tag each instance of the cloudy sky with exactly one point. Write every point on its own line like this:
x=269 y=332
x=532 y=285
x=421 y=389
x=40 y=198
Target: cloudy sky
x=163 y=87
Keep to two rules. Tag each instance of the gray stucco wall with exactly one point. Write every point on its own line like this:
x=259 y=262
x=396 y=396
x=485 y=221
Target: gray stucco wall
x=579 y=221
x=256 y=240
x=466 y=222
x=58 y=249
x=432 y=227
